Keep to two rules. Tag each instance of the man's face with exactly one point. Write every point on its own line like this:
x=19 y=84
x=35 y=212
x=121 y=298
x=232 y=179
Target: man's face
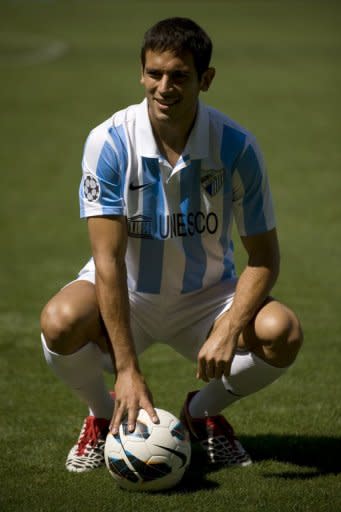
x=172 y=87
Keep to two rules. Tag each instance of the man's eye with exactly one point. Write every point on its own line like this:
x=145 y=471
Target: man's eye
x=154 y=74
x=179 y=76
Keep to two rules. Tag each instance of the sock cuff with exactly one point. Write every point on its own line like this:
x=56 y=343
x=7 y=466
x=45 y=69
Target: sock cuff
x=82 y=372
x=259 y=372
x=260 y=362
x=87 y=352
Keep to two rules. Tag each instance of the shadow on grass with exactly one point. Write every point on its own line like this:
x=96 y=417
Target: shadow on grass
x=315 y=456
x=320 y=455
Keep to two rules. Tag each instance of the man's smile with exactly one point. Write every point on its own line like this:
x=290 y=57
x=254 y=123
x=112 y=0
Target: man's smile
x=166 y=103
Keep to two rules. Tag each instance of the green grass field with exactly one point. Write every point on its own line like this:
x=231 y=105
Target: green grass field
x=67 y=65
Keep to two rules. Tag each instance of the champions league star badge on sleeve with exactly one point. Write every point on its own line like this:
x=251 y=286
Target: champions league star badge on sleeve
x=91 y=187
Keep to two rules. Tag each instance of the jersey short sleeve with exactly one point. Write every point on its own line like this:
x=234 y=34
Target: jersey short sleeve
x=252 y=201
x=100 y=191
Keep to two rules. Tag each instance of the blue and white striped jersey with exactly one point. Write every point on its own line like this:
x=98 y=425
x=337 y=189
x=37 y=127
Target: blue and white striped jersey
x=179 y=219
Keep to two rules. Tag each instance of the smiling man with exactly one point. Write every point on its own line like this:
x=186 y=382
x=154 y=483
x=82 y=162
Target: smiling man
x=172 y=85
x=162 y=183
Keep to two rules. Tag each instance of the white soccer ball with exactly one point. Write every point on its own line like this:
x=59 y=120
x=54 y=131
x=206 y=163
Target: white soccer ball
x=153 y=457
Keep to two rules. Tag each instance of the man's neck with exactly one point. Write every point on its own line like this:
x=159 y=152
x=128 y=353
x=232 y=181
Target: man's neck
x=172 y=138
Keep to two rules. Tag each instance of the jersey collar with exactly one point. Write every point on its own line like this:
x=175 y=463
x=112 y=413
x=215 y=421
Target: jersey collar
x=197 y=144
x=145 y=140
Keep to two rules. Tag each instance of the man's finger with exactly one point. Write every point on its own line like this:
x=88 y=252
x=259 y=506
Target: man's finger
x=132 y=416
x=152 y=413
x=210 y=369
x=116 y=420
x=226 y=370
x=219 y=370
x=201 y=372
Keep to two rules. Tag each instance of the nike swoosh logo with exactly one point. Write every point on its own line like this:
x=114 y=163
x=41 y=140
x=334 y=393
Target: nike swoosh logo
x=181 y=456
x=137 y=187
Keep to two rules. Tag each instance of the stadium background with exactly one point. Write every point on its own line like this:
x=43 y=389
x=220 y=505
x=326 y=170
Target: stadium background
x=67 y=65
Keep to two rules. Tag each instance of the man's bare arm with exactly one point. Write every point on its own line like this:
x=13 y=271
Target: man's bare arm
x=108 y=237
x=254 y=286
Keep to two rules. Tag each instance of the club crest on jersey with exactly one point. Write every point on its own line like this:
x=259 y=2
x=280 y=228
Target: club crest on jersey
x=91 y=188
x=212 y=181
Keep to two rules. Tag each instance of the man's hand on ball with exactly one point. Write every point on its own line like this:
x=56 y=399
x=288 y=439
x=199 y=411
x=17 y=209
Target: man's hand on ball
x=131 y=395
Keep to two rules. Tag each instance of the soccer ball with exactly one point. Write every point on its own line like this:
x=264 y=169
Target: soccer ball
x=153 y=457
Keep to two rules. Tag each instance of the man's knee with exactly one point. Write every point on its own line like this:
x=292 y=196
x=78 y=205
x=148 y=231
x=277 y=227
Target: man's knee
x=280 y=332
x=57 y=324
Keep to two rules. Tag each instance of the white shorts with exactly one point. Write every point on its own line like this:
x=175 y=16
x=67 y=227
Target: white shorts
x=182 y=322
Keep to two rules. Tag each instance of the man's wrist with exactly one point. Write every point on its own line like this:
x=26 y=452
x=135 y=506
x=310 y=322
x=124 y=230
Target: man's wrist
x=127 y=368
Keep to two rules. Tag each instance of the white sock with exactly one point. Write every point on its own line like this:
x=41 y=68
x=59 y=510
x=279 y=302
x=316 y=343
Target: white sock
x=82 y=372
x=248 y=374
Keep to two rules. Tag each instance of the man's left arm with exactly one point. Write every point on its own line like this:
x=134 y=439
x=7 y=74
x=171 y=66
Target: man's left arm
x=254 y=286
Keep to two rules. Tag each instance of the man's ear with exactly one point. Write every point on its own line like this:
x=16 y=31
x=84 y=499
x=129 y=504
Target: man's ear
x=142 y=76
x=206 y=79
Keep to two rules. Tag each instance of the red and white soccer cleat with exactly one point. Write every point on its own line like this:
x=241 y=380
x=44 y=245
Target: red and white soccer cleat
x=88 y=453
x=216 y=437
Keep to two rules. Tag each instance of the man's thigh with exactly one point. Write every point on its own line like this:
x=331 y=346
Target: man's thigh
x=86 y=281
x=72 y=318
x=200 y=321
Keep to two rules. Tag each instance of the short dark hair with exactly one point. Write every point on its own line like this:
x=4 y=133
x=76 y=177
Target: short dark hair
x=179 y=35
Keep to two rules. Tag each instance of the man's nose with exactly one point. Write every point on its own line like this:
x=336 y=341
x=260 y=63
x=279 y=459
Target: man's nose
x=165 y=84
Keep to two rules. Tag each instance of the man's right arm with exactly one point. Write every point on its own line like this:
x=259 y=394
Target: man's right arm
x=108 y=237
